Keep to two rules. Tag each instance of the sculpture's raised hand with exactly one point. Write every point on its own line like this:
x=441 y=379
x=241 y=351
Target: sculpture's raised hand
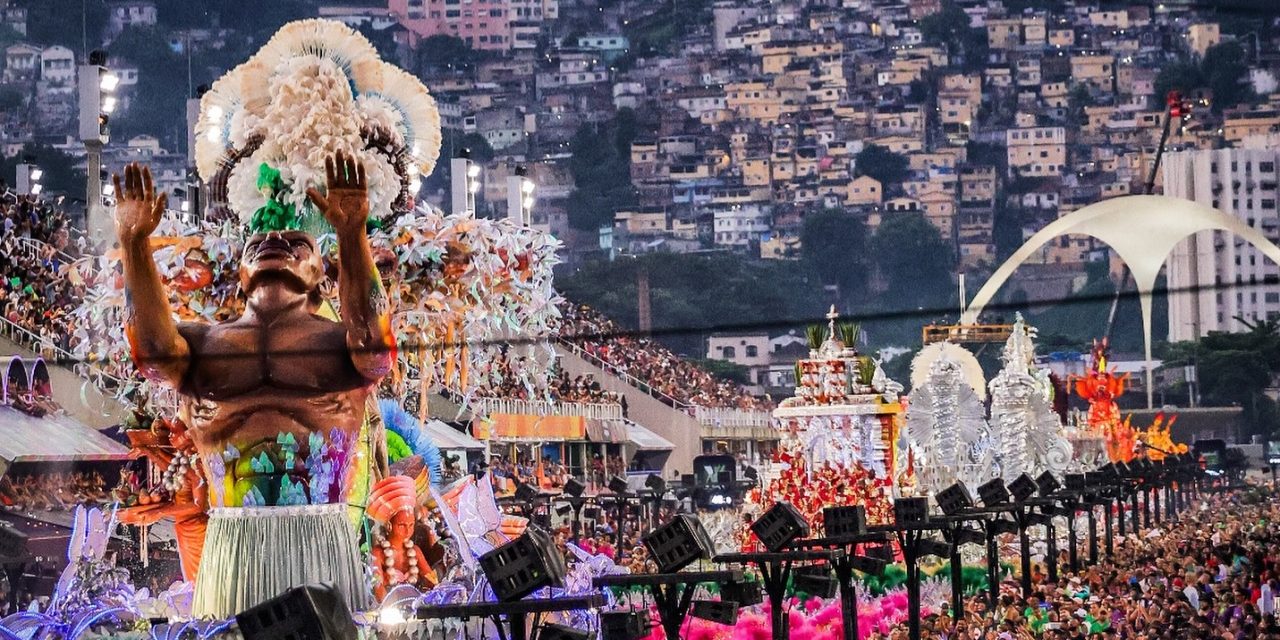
x=345 y=203
x=138 y=208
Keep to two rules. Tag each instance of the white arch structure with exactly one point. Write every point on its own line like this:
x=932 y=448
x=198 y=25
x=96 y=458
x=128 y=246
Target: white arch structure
x=1142 y=230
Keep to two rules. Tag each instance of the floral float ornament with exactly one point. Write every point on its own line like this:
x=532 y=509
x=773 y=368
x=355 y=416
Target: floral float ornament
x=1159 y=438
x=458 y=283
x=1100 y=387
x=1027 y=434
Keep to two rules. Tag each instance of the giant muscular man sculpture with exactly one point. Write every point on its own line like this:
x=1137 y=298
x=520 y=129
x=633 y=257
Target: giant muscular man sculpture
x=274 y=399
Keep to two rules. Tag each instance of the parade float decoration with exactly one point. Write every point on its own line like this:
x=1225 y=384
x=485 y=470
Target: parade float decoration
x=296 y=145
x=1100 y=387
x=1158 y=439
x=397 y=559
x=1027 y=433
x=839 y=430
x=456 y=283
x=947 y=431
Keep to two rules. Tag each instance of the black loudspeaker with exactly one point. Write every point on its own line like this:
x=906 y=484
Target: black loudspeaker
x=781 y=524
x=718 y=611
x=656 y=483
x=526 y=494
x=746 y=594
x=954 y=499
x=911 y=510
x=310 y=612
x=865 y=564
x=523 y=566
x=1001 y=525
x=844 y=521
x=678 y=543
x=930 y=547
x=881 y=552
x=1048 y=484
x=563 y=632
x=993 y=493
x=624 y=625
x=618 y=485
x=1075 y=481
x=815 y=580
x=574 y=488
x=1023 y=488
x=966 y=535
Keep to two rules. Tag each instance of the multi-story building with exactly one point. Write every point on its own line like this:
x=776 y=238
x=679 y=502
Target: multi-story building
x=1037 y=151
x=498 y=25
x=1217 y=279
x=130 y=13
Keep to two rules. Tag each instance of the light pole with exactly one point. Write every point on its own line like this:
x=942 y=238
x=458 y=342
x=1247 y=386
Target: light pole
x=520 y=197
x=29 y=176
x=95 y=84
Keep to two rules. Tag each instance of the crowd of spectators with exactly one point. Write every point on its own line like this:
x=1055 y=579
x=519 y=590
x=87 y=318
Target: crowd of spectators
x=652 y=364
x=53 y=491
x=34 y=294
x=504 y=381
x=1214 y=575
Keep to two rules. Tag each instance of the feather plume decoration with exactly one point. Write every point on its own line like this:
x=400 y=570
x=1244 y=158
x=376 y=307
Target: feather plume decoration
x=401 y=423
x=328 y=40
x=419 y=122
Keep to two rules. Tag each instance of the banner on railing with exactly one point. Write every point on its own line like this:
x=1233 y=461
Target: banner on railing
x=532 y=428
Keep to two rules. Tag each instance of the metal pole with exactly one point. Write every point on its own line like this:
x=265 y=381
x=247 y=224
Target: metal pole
x=1051 y=540
x=1120 y=512
x=1024 y=545
x=1093 y=536
x=993 y=567
x=909 y=552
x=94 y=212
x=1109 y=537
x=957 y=581
x=848 y=595
x=1073 y=557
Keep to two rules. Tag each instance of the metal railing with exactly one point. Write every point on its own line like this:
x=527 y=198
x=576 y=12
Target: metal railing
x=602 y=411
x=733 y=418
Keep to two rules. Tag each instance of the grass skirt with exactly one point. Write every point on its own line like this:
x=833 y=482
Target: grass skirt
x=253 y=554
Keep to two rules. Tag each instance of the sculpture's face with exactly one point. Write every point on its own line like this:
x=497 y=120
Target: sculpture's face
x=400 y=528
x=281 y=257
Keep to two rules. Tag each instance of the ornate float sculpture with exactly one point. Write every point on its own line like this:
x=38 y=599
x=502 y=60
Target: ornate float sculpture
x=840 y=429
x=946 y=428
x=1027 y=433
x=397 y=559
x=1158 y=438
x=313 y=150
x=1100 y=387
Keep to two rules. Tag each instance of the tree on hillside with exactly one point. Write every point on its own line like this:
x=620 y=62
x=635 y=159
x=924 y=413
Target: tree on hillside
x=1236 y=369
x=1223 y=71
x=951 y=29
x=691 y=292
x=915 y=261
x=601 y=168
x=159 y=98
x=882 y=164
x=1226 y=74
x=72 y=25
x=444 y=52
x=833 y=243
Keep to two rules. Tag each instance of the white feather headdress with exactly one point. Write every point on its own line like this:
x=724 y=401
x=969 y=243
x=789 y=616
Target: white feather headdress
x=318 y=84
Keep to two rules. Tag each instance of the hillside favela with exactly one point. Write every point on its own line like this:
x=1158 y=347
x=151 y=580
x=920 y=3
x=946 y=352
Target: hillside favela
x=639 y=320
